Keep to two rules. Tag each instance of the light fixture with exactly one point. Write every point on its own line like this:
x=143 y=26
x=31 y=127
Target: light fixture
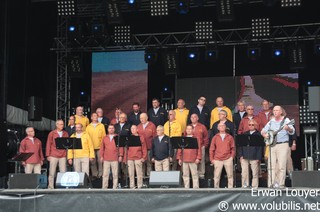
x=134 y=4
x=193 y=54
x=150 y=55
x=254 y=52
x=66 y=7
x=114 y=15
x=171 y=61
x=297 y=56
x=211 y=53
x=290 y=3
x=122 y=34
x=74 y=65
x=277 y=51
x=204 y=30
x=159 y=7
x=316 y=47
x=225 y=10
x=260 y=27
x=183 y=6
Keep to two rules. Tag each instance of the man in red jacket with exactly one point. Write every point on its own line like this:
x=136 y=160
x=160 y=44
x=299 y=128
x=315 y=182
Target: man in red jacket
x=32 y=144
x=191 y=159
x=200 y=131
x=222 y=152
x=135 y=157
x=110 y=155
x=56 y=156
x=148 y=130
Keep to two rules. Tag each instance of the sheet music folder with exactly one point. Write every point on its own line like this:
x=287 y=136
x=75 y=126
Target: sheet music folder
x=68 y=143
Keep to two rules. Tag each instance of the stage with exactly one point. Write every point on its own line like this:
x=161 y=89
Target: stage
x=159 y=199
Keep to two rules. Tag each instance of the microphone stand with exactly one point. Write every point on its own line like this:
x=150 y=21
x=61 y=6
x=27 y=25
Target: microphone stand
x=17 y=165
x=169 y=145
x=119 y=163
x=127 y=150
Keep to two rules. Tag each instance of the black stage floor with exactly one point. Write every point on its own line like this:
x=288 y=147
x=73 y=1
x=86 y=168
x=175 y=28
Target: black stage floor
x=158 y=199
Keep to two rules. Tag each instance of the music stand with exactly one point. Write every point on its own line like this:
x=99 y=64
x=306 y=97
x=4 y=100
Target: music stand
x=120 y=141
x=21 y=156
x=68 y=143
x=247 y=140
x=181 y=142
x=133 y=141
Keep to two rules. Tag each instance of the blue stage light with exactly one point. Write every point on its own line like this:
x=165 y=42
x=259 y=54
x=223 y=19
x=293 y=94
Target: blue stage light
x=72 y=28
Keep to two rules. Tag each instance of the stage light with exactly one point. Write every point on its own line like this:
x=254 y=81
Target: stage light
x=260 y=27
x=72 y=28
x=309 y=83
x=278 y=51
x=290 y=3
x=114 y=15
x=204 y=30
x=193 y=54
x=159 y=7
x=66 y=8
x=297 y=56
x=134 y=4
x=150 y=55
x=74 y=65
x=211 y=54
x=81 y=93
x=225 y=10
x=254 y=52
x=182 y=6
x=122 y=34
x=171 y=62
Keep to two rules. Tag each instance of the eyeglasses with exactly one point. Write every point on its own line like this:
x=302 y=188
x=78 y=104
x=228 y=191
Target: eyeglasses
x=251 y=124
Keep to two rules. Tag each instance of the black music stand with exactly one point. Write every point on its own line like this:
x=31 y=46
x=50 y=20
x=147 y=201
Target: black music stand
x=120 y=141
x=181 y=142
x=247 y=140
x=21 y=156
x=68 y=143
x=133 y=141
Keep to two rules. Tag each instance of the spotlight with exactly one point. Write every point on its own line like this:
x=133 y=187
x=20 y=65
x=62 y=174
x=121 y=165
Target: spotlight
x=225 y=10
x=277 y=51
x=290 y=3
x=193 y=54
x=211 y=54
x=254 y=52
x=66 y=8
x=134 y=4
x=183 y=6
x=150 y=56
x=72 y=28
x=159 y=7
x=204 y=30
x=122 y=35
x=260 y=27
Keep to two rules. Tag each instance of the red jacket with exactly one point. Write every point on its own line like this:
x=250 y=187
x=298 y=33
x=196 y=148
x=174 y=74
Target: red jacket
x=148 y=133
x=51 y=149
x=27 y=145
x=109 y=150
x=200 y=131
x=243 y=126
x=190 y=155
x=222 y=149
x=137 y=152
x=263 y=118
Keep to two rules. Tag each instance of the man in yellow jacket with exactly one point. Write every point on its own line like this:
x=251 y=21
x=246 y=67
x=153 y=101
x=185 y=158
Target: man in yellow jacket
x=80 y=157
x=96 y=131
x=215 y=111
x=173 y=128
x=182 y=114
x=80 y=118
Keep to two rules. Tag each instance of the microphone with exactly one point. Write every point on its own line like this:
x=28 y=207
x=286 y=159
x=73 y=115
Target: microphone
x=14 y=131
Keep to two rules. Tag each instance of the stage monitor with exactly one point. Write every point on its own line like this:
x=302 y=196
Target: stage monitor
x=72 y=180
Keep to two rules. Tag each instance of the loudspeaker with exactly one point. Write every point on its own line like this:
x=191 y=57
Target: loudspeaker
x=27 y=181
x=34 y=109
x=72 y=180
x=314 y=98
x=165 y=178
x=305 y=179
